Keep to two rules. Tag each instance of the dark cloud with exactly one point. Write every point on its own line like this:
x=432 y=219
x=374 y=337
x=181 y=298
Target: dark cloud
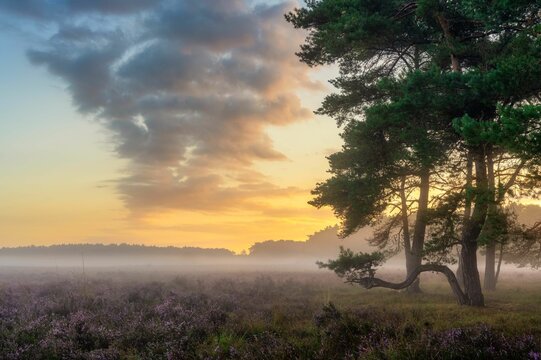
x=50 y=10
x=109 y=6
x=76 y=33
x=162 y=67
x=186 y=89
x=87 y=70
x=216 y=24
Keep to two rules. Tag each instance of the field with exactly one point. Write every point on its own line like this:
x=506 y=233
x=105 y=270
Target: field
x=136 y=314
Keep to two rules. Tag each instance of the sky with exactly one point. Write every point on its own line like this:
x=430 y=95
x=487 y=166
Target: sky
x=184 y=123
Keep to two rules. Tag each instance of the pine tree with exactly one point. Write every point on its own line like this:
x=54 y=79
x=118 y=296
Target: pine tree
x=428 y=90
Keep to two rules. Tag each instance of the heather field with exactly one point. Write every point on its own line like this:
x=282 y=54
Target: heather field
x=205 y=179
x=137 y=314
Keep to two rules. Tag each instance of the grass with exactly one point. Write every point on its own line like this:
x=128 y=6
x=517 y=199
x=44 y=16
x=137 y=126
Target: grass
x=512 y=308
x=140 y=315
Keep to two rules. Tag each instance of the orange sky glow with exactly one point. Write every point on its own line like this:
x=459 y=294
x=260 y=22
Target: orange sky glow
x=213 y=143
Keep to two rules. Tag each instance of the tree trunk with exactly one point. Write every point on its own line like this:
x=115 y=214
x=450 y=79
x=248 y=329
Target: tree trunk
x=411 y=262
x=467 y=214
x=500 y=260
x=411 y=266
x=419 y=231
x=472 y=225
x=460 y=270
x=490 y=267
x=472 y=282
x=472 y=230
x=488 y=231
x=461 y=298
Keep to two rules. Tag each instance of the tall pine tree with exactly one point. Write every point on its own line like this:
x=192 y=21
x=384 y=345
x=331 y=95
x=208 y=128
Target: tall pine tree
x=427 y=89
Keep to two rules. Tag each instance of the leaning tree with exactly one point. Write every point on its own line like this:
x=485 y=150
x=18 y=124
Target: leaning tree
x=428 y=90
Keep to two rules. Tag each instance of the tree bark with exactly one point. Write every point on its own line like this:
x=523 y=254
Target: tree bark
x=461 y=298
x=466 y=216
x=500 y=260
x=490 y=257
x=460 y=270
x=472 y=230
x=411 y=263
x=419 y=231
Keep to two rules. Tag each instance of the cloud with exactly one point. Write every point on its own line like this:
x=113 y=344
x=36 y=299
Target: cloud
x=49 y=10
x=214 y=24
x=185 y=88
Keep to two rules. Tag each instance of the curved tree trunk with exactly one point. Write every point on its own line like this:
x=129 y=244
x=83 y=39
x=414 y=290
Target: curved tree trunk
x=461 y=298
x=411 y=265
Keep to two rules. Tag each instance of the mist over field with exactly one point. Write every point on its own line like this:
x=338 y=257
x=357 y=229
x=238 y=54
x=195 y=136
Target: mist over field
x=120 y=313
x=298 y=255
x=270 y=255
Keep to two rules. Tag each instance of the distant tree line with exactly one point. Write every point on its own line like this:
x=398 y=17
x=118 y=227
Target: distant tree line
x=112 y=250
